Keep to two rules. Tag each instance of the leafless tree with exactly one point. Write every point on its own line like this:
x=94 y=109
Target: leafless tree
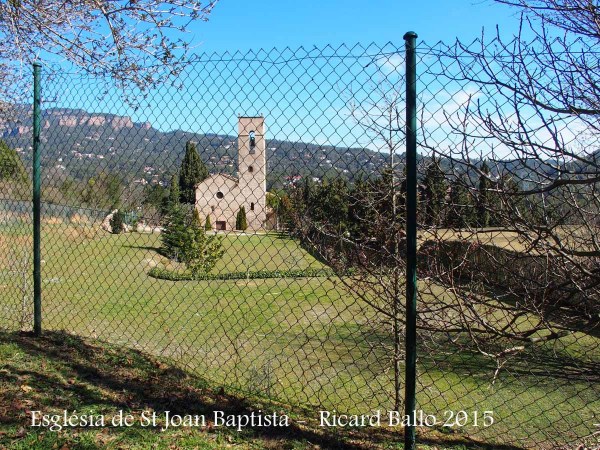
x=372 y=265
x=532 y=114
x=134 y=42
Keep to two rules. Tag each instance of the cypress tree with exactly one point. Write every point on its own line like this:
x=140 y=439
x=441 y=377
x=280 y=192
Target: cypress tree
x=508 y=201
x=240 y=220
x=196 y=221
x=192 y=172
x=435 y=193
x=460 y=212
x=483 y=197
x=116 y=222
x=207 y=224
x=174 y=223
x=174 y=191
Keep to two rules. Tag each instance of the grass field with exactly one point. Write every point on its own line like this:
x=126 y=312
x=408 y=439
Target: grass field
x=62 y=371
x=303 y=341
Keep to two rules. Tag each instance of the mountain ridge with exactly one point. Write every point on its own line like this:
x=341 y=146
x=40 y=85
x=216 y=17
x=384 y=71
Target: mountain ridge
x=142 y=152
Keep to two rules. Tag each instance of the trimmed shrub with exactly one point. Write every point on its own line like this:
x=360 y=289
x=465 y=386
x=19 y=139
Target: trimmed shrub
x=117 y=225
x=240 y=221
x=197 y=222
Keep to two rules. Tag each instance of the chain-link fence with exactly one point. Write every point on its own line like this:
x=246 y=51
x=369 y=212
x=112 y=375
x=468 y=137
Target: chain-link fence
x=248 y=223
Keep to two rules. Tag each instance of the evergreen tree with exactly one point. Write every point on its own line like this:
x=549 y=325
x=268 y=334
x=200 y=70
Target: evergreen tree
x=240 y=220
x=207 y=224
x=508 y=202
x=197 y=222
x=204 y=251
x=371 y=208
x=192 y=172
x=434 y=193
x=154 y=195
x=185 y=240
x=460 y=213
x=116 y=222
x=360 y=215
x=174 y=236
x=14 y=182
x=483 y=197
x=11 y=166
x=302 y=197
x=174 y=192
x=330 y=204
x=277 y=201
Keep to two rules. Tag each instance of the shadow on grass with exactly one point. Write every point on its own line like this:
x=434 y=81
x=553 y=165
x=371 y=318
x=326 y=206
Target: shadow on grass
x=444 y=352
x=61 y=371
x=147 y=248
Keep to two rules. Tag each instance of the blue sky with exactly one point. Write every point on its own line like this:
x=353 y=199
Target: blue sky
x=238 y=24
x=307 y=101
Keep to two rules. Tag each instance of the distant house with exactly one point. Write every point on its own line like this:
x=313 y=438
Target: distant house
x=221 y=196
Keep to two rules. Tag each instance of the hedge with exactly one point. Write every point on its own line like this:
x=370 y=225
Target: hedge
x=166 y=274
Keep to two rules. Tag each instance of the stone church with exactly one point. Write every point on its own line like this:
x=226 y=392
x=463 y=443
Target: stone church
x=221 y=196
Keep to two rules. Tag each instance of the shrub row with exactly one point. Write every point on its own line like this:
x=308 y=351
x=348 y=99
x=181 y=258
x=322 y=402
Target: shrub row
x=171 y=275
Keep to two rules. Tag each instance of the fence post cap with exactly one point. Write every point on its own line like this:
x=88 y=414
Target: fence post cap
x=410 y=35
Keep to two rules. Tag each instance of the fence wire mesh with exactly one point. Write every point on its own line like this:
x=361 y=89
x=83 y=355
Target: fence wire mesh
x=247 y=222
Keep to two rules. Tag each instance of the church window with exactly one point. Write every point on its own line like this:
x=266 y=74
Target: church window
x=250 y=169
x=220 y=195
x=252 y=142
x=251 y=206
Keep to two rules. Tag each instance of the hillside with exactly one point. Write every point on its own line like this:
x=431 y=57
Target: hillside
x=80 y=144
x=86 y=377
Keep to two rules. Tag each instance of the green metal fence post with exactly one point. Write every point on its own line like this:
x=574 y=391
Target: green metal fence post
x=37 y=185
x=411 y=240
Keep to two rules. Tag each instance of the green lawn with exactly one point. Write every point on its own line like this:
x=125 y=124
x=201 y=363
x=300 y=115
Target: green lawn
x=303 y=341
x=65 y=372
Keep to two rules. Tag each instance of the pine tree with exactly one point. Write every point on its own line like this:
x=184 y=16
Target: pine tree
x=207 y=224
x=192 y=172
x=508 y=201
x=240 y=220
x=483 y=197
x=460 y=212
x=185 y=240
x=434 y=193
x=174 y=232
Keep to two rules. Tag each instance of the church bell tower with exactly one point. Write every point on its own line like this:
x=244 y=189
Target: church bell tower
x=252 y=169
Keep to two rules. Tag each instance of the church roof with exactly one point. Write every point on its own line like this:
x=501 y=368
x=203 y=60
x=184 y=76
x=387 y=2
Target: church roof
x=215 y=175
x=231 y=177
